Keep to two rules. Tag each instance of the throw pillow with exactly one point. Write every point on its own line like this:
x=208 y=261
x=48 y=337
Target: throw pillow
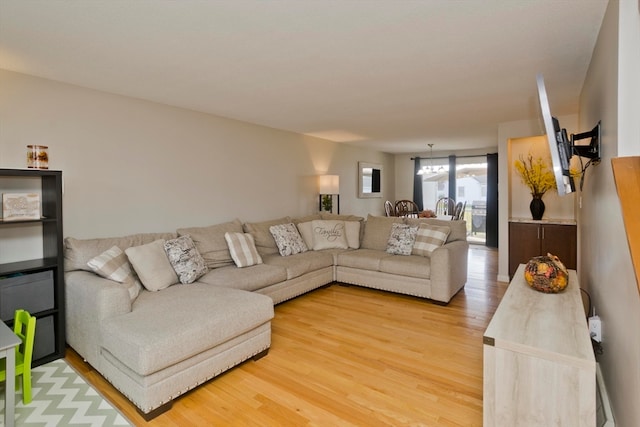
x=288 y=239
x=113 y=264
x=329 y=235
x=305 y=230
x=353 y=234
x=185 y=259
x=243 y=249
x=151 y=264
x=401 y=239
x=458 y=229
x=429 y=238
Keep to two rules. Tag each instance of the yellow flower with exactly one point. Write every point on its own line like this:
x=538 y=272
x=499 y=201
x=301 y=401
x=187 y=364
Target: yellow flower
x=535 y=175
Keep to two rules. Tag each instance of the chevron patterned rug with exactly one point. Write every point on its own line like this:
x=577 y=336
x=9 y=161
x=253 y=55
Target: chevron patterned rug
x=61 y=397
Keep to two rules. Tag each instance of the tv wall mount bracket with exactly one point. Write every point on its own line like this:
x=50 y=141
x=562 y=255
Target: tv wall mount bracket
x=590 y=151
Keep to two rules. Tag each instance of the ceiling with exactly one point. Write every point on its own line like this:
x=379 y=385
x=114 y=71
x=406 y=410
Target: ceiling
x=390 y=75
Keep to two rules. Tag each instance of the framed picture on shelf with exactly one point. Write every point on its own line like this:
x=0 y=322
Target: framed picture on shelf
x=20 y=206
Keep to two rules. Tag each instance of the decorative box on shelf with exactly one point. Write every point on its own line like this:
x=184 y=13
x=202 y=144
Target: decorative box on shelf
x=20 y=206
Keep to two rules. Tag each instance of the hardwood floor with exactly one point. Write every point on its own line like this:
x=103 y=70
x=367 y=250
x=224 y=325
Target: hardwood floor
x=351 y=356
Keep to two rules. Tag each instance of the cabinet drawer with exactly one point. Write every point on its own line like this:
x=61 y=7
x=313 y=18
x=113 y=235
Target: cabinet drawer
x=31 y=292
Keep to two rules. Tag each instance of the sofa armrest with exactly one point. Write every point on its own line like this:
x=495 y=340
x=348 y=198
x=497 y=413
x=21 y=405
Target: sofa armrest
x=448 y=270
x=89 y=300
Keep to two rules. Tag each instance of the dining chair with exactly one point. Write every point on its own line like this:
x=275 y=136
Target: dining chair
x=459 y=211
x=389 y=209
x=24 y=326
x=407 y=208
x=445 y=206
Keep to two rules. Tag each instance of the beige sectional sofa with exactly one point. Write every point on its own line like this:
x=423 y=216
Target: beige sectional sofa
x=154 y=345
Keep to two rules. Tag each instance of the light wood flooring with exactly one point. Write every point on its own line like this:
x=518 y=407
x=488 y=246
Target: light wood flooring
x=351 y=356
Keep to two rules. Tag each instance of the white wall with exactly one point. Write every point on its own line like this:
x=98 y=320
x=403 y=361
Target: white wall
x=611 y=93
x=134 y=166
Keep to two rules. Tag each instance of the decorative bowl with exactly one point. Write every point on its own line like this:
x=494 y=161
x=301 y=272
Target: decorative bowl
x=546 y=274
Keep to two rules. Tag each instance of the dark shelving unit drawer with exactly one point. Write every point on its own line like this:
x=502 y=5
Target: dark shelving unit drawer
x=32 y=292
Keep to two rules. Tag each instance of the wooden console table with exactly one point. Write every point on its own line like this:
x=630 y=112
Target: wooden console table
x=539 y=366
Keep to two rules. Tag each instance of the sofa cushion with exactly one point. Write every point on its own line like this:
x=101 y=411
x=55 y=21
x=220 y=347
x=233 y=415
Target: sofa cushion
x=152 y=265
x=338 y=217
x=192 y=319
x=249 y=278
x=401 y=239
x=429 y=238
x=299 y=264
x=412 y=266
x=211 y=243
x=458 y=228
x=114 y=265
x=329 y=234
x=377 y=230
x=288 y=239
x=243 y=249
x=307 y=218
x=262 y=236
x=365 y=259
x=77 y=252
x=185 y=259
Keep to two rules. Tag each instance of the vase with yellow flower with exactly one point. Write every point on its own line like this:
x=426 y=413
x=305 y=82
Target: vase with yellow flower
x=535 y=174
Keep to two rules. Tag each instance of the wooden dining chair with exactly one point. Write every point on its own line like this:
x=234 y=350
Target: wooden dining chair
x=24 y=326
x=458 y=213
x=445 y=206
x=389 y=209
x=407 y=208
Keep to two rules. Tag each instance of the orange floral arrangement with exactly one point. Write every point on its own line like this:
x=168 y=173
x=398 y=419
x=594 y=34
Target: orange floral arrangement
x=535 y=175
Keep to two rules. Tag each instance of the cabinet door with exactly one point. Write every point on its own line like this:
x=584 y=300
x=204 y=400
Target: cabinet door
x=524 y=244
x=560 y=240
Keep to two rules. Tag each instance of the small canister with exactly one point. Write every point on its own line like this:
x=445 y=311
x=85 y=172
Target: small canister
x=37 y=157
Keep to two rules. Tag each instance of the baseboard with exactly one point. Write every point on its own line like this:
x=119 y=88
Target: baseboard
x=503 y=278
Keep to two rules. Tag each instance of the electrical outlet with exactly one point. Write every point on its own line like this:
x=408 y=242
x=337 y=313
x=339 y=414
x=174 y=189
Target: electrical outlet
x=595 y=328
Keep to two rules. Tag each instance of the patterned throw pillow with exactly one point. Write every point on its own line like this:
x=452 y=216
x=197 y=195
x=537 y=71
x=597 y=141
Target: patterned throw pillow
x=113 y=264
x=329 y=235
x=243 y=249
x=401 y=239
x=185 y=259
x=429 y=238
x=288 y=239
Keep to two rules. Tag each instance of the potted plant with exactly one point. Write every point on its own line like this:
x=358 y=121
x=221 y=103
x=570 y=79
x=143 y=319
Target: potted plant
x=535 y=174
x=327 y=202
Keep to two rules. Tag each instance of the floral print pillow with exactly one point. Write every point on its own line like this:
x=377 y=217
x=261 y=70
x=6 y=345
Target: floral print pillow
x=288 y=239
x=401 y=239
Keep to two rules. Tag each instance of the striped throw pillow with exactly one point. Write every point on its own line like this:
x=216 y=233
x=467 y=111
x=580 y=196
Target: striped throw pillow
x=243 y=249
x=429 y=238
x=114 y=265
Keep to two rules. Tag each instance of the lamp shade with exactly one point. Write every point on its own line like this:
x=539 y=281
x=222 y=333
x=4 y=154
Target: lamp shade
x=329 y=184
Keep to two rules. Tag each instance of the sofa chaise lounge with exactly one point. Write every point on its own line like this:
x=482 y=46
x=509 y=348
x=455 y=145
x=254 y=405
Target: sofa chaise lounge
x=155 y=344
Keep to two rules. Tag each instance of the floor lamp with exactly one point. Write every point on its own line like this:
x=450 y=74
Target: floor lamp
x=329 y=187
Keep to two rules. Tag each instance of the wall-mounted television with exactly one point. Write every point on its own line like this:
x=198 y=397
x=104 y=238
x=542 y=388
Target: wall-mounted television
x=562 y=149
